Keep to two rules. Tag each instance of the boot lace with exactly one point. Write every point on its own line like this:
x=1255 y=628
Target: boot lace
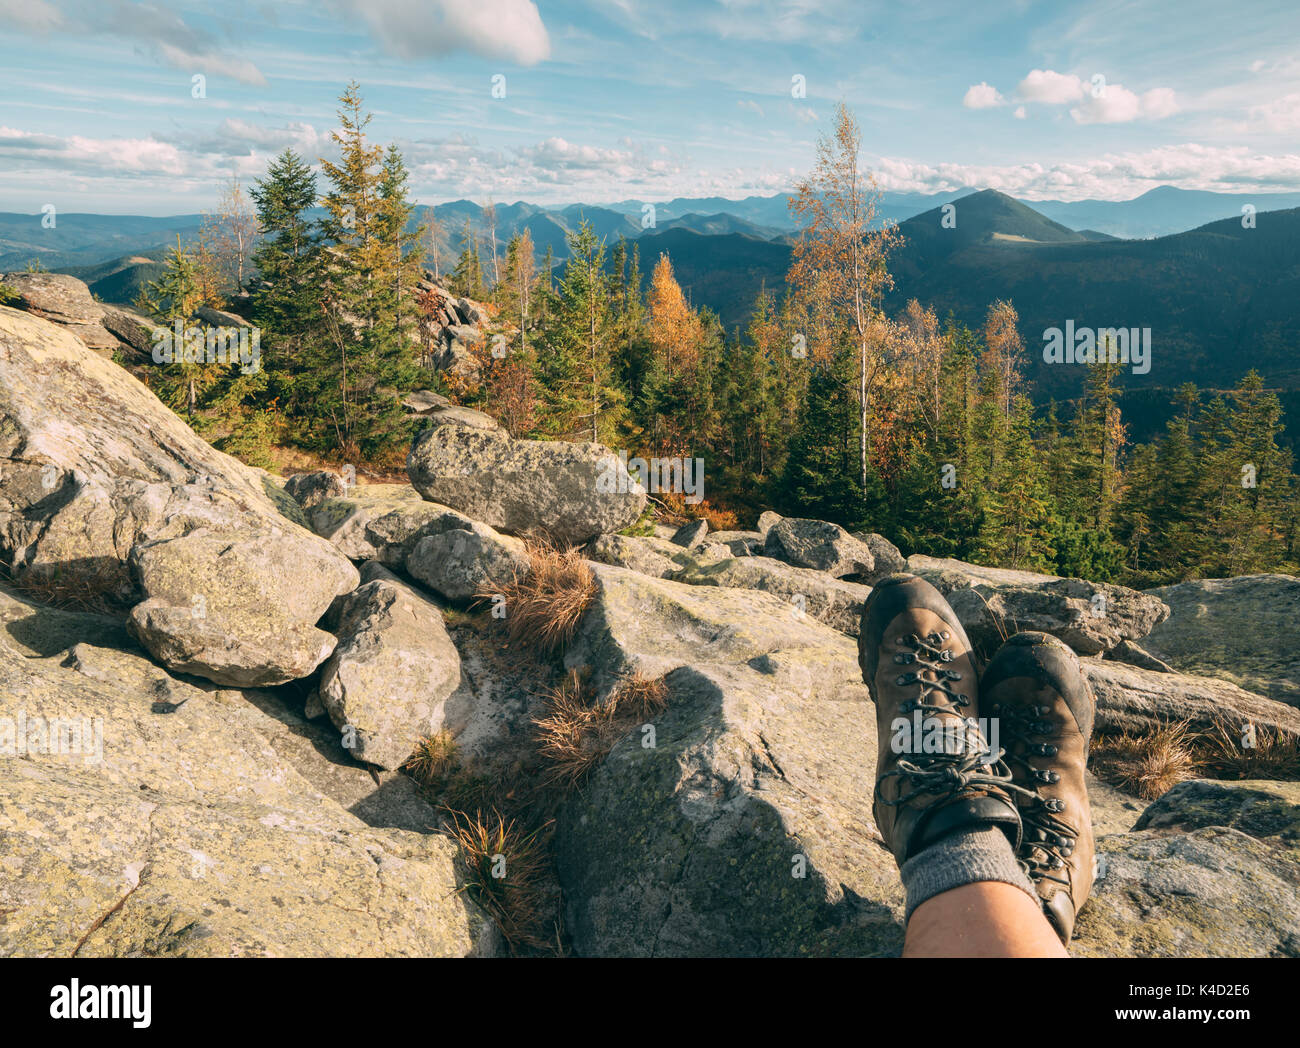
x=963 y=766
x=1048 y=840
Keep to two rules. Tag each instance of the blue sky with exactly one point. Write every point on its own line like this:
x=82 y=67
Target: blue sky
x=612 y=99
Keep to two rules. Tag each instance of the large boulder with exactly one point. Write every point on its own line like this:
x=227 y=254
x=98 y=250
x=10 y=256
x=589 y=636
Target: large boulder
x=1211 y=870
x=743 y=826
x=429 y=404
x=1258 y=807
x=93 y=466
x=224 y=606
x=572 y=492
x=991 y=603
x=309 y=490
x=1242 y=630
x=385 y=685
x=889 y=559
x=136 y=332
x=55 y=297
x=835 y=602
x=821 y=545
x=170 y=822
x=1138 y=700
x=463 y=562
x=65 y=301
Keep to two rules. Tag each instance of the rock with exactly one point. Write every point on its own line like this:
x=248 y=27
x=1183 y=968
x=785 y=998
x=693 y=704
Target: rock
x=745 y=830
x=95 y=337
x=394 y=667
x=65 y=301
x=818 y=544
x=691 y=533
x=1138 y=700
x=461 y=563
x=424 y=401
x=1113 y=810
x=314 y=709
x=224 y=606
x=571 y=491
x=1260 y=808
x=385 y=528
x=92 y=465
x=645 y=554
x=1136 y=655
x=311 y=489
x=1210 y=892
x=1242 y=630
x=389 y=528
x=765 y=521
x=889 y=559
x=188 y=831
x=740 y=543
x=1090 y=617
x=55 y=297
x=471 y=312
x=456 y=415
x=835 y=602
x=133 y=330
x=220 y=318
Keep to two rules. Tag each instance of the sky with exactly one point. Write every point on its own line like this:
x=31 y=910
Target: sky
x=605 y=100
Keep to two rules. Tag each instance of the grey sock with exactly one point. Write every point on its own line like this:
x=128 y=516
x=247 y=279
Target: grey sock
x=962 y=858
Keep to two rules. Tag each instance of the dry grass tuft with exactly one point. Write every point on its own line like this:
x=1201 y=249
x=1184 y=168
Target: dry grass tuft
x=1147 y=765
x=574 y=734
x=433 y=760
x=1274 y=755
x=641 y=697
x=506 y=871
x=92 y=589
x=545 y=607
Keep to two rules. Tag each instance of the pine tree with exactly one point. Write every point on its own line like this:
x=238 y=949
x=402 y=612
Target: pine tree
x=403 y=243
x=363 y=360
x=288 y=301
x=172 y=299
x=576 y=374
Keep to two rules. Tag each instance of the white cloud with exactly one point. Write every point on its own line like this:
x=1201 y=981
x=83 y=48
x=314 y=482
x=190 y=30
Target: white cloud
x=1044 y=85
x=1115 y=104
x=805 y=114
x=1109 y=104
x=982 y=96
x=506 y=29
x=1113 y=176
x=35 y=15
x=1280 y=116
x=1159 y=103
x=1020 y=113
x=752 y=106
x=161 y=33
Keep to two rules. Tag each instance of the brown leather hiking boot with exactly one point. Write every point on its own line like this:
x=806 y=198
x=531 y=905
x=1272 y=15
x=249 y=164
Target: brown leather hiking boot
x=932 y=773
x=1035 y=695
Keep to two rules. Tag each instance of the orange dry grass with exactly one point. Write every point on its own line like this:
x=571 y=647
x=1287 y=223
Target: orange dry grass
x=544 y=607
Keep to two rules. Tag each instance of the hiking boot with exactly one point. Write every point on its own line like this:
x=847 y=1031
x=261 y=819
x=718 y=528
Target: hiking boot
x=1035 y=692
x=919 y=667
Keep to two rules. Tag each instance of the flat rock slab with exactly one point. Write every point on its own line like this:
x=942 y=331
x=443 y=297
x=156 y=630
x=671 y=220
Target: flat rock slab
x=835 y=602
x=746 y=829
x=992 y=603
x=1138 y=700
x=1244 y=630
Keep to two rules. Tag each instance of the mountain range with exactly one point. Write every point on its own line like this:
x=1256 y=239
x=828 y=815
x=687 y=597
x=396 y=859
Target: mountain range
x=1218 y=298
